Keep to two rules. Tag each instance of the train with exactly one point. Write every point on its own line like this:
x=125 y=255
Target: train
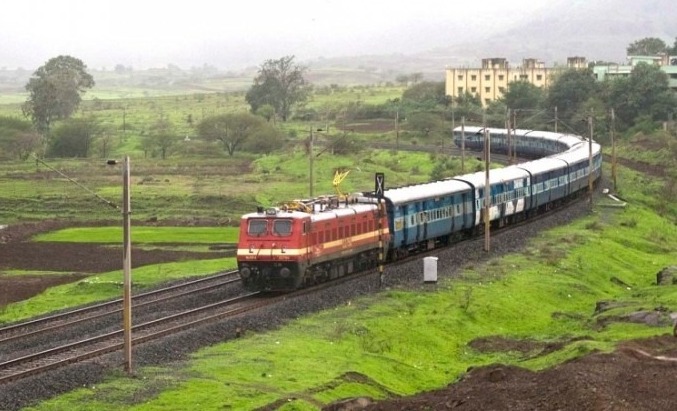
x=306 y=242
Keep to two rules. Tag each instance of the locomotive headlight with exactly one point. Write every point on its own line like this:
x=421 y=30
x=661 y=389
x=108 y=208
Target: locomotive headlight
x=284 y=273
x=245 y=272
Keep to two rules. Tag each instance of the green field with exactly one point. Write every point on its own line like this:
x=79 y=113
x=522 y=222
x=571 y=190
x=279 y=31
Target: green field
x=402 y=342
x=399 y=341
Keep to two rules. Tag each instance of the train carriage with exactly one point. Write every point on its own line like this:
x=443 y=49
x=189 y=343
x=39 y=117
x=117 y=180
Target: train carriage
x=420 y=220
x=549 y=181
x=509 y=192
x=578 y=165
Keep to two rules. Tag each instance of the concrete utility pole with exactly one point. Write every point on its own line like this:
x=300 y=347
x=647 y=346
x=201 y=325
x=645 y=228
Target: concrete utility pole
x=487 y=188
x=613 y=148
x=397 y=130
x=463 y=144
x=513 y=159
x=507 y=127
x=556 y=119
x=127 y=267
x=590 y=126
x=311 y=157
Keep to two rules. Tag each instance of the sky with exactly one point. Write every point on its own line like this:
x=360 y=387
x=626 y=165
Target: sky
x=231 y=35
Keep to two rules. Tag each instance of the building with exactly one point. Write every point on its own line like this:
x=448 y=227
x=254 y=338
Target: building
x=491 y=80
x=667 y=63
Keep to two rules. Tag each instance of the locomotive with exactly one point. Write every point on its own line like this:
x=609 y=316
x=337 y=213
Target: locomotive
x=311 y=241
x=308 y=242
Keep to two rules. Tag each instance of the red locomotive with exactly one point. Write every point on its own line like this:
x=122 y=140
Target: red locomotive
x=308 y=242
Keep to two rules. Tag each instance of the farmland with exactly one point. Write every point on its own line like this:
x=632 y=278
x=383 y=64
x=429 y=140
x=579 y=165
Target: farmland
x=531 y=309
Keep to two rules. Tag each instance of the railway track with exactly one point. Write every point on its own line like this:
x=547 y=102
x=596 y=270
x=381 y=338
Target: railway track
x=109 y=342
x=92 y=347
x=22 y=333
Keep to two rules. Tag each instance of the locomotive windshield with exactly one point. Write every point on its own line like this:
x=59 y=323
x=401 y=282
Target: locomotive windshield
x=257 y=227
x=282 y=227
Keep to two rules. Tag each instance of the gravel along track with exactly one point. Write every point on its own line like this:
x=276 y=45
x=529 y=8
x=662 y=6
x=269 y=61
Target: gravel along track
x=16 y=395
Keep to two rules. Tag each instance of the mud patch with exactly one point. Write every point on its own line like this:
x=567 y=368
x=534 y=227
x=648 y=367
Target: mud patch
x=17 y=288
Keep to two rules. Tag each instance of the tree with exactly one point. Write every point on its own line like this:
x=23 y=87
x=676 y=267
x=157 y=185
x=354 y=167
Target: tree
x=162 y=137
x=468 y=105
x=279 y=83
x=72 y=138
x=570 y=90
x=424 y=122
x=648 y=46
x=645 y=93
x=266 y=111
x=673 y=50
x=402 y=79
x=427 y=94
x=265 y=140
x=231 y=129
x=18 y=139
x=55 y=91
x=416 y=77
x=522 y=95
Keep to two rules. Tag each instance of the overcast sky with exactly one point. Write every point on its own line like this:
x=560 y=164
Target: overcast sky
x=143 y=33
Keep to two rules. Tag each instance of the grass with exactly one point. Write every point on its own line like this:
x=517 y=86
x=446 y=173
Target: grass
x=109 y=285
x=220 y=189
x=396 y=342
x=401 y=342
x=143 y=234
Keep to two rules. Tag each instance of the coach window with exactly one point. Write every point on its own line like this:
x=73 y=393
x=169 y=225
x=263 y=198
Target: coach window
x=257 y=227
x=282 y=227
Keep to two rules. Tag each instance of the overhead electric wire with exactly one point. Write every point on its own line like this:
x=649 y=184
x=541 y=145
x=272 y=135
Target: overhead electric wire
x=110 y=203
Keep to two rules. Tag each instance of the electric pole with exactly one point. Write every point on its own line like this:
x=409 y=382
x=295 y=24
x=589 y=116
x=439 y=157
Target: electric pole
x=463 y=144
x=487 y=188
x=613 y=148
x=127 y=267
x=311 y=157
x=590 y=170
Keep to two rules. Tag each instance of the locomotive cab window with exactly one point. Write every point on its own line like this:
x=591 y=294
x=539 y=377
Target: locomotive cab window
x=282 y=227
x=257 y=227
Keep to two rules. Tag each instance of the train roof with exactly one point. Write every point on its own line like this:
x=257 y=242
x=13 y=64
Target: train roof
x=495 y=175
x=569 y=139
x=542 y=165
x=423 y=191
x=578 y=152
x=342 y=211
x=317 y=214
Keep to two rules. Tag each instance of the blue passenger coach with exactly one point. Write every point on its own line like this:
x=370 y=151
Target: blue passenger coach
x=509 y=193
x=422 y=215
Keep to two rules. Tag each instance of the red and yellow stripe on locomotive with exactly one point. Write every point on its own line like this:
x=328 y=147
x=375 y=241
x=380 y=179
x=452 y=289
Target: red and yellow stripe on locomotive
x=292 y=247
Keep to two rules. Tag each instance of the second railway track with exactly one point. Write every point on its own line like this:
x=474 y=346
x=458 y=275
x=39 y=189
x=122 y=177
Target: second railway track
x=15 y=338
